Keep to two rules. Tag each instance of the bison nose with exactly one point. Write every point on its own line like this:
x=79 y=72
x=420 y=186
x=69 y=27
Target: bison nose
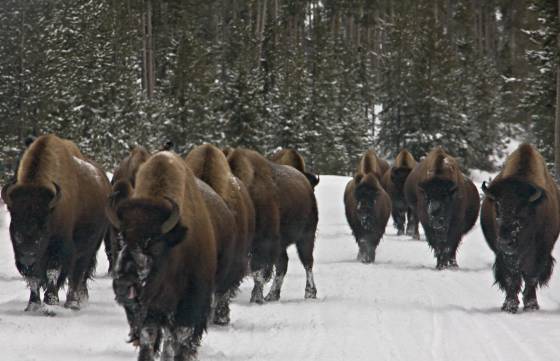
x=506 y=245
x=27 y=260
x=439 y=222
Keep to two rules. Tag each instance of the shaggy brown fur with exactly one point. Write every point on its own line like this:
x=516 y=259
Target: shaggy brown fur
x=371 y=163
x=286 y=213
x=209 y=164
x=520 y=221
x=291 y=157
x=176 y=267
x=393 y=182
x=367 y=207
x=57 y=219
x=445 y=201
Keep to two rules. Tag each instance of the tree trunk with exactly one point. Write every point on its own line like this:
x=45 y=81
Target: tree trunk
x=148 y=61
x=557 y=122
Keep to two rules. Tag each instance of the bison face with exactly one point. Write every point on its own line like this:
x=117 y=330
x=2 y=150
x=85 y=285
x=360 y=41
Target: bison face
x=31 y=209
x=439 y=199
x=398 y=176
x=366 y=194
x=514 y=209
x=149 y=229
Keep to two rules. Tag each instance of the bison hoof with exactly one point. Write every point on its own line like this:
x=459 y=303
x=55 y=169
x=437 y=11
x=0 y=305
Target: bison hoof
x=34 y=307
x=510 y=306
x=272 y=296
x=51 y=299
x=257 y=298
x=310 y=293
x=531 y=305
x=400 y=232
x=72 y=304
x=366 y=257
x=453 y=264
x=221 y=320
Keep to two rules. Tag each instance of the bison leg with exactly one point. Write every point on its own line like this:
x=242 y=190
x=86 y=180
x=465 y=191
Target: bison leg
x=186 y=345
x=34 y=303
x=149 y=335
x=221 y=310
x=281 y=269
x=399 y=220
x=530 y=302
x=508 y=277
x=51 y=294
x=305 y=253
x=257 y=293
x=412 y=225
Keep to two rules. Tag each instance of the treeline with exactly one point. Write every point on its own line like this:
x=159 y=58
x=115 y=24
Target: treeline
x=329 y=77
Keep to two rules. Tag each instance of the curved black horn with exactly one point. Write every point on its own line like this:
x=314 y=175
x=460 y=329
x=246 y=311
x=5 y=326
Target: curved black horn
x=536 y=195
x=111 y=212
x=6 y=191
x=173 y=219
x=56 y=197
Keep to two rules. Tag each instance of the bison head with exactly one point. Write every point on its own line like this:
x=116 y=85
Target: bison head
x=398 y=176
x=312 y=178
x=31 y=209
x=515 y=205
x=366 y=194
x=150 y=228
x=439 y=200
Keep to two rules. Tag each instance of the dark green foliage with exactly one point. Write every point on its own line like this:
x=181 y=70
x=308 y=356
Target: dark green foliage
x=264 y=74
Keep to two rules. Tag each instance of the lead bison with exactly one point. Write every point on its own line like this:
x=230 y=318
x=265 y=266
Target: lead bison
x=445 y=201
x=233 y=217
x=286 y=213
x=170 y=242
x=367 y=206
x=57 y=219
x=393 y=182
x=520 y=221
x=290 y=156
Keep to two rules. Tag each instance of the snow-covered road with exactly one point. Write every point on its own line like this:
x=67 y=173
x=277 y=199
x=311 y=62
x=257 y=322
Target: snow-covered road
x=400 y=308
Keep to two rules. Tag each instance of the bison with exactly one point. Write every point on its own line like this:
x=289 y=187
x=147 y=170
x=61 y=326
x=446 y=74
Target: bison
x=393 y=182
x=57 y=219
x=169 y=238
x=285 y=212
x=446 y=203
x=289 y=156
x=520 y=221
x=367 y=206
x=209 y=164
x=122 y=182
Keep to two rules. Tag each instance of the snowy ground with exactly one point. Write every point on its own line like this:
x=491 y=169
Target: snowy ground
x=400 y=308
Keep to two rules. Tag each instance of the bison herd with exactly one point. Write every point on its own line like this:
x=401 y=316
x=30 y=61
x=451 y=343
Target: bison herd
x=182 y=233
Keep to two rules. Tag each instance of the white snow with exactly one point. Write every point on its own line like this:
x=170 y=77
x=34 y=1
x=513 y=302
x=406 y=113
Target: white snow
x=399 y=308
x=88 y=167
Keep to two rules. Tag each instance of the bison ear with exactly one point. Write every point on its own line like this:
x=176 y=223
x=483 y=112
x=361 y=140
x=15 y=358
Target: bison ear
x=358 y=178
x=312 y=178
x=487 y=192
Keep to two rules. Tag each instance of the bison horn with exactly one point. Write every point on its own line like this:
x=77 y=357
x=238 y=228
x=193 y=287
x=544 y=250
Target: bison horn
x=6 y=191
x=56 y=197
x=171 y=222
x=537 y=194
x=110 y=211
x=486 y=191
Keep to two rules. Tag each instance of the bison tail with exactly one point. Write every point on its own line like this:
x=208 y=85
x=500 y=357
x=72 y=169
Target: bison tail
x=546 y=272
